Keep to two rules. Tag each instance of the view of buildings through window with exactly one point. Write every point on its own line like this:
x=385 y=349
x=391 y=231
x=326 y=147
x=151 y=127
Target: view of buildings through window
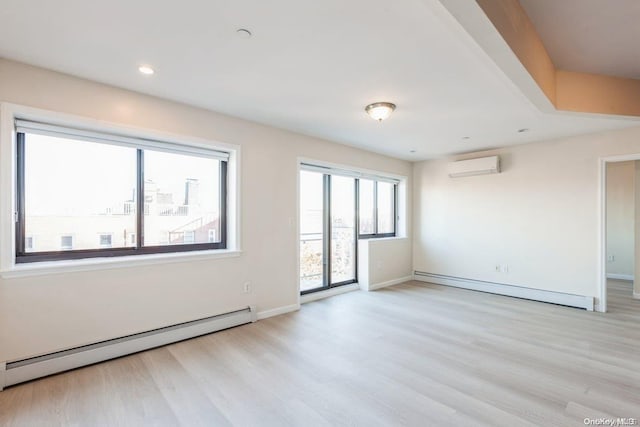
x=343 y=229
x=82 y=195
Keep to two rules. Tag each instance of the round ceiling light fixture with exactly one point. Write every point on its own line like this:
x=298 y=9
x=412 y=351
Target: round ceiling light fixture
x=146 y=70
x=380 y=110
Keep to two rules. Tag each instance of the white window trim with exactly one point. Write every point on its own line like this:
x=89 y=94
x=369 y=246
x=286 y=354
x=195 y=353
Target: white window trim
x=8 y=267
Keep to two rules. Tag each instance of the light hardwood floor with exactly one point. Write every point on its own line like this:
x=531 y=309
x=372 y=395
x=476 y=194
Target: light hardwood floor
x=414 y=354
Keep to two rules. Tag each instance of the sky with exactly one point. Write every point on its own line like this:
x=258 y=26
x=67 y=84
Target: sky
x=75 y=177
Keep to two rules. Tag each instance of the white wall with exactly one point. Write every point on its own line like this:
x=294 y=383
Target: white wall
x=539 y=217
x=620 y=218
x=47 y=313
x=384 y=262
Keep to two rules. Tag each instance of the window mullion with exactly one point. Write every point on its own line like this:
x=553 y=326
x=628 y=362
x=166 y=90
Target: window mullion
x=140 y=199
x=395 y=210
x=357 y=219
x=222 y=221
x=19 y=219
x=327 y=230
x=375 y=208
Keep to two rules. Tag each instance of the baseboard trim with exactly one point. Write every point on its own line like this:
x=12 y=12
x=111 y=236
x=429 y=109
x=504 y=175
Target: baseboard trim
x=614 y=276
x=390 y=283
x=579 y=301
x=328 y=293
x=277 y=311
x=19 y=371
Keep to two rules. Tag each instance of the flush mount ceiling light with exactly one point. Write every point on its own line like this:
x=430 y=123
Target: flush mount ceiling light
x=146 y=70
x=380 y=110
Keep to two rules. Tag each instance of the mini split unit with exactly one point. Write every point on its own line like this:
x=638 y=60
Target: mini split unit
x=480 y=166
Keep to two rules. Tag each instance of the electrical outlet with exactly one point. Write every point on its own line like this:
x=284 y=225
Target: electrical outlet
x=247 y=287
x=505 y=268
x=498 y=268
x=611 y=258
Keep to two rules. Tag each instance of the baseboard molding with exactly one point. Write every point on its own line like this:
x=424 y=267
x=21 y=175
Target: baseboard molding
x=277 y=311
x=328 y=293
x=579 y=301
x=18 y=371
x=614 y=276
x=390 y=283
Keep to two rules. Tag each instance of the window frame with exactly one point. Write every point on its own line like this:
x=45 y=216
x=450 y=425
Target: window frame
x=23 y=257
x=375 y=234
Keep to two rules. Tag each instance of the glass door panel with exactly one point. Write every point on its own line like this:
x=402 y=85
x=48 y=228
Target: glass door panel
x=343 y=231
x=312 y=242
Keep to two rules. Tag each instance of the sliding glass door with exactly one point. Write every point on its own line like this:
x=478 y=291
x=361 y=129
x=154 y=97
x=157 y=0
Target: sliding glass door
x=313 y=260
x=328 y=256
x=343 y=230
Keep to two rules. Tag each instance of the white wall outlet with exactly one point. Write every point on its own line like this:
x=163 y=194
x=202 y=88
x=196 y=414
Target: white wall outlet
x=498 y=268
x=505 y=268
x=247 y=287
x=611 y=258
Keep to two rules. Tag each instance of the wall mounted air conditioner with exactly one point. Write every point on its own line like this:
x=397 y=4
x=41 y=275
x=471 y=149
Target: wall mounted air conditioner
x=480 y=166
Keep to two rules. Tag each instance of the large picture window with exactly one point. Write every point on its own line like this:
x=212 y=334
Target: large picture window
x=83 y=194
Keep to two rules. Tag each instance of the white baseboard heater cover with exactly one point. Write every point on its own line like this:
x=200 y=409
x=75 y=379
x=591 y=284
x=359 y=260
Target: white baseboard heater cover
x=571 y=300
x=19 y=371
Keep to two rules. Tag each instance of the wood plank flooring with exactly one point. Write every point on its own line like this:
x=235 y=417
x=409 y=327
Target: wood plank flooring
x=413 y=354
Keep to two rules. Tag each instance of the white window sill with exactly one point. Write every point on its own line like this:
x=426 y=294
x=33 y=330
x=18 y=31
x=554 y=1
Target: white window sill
x=90 y=264
x=377 y=239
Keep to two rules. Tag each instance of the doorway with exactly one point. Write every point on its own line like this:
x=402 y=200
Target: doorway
x=328 y=231
x=621 y=213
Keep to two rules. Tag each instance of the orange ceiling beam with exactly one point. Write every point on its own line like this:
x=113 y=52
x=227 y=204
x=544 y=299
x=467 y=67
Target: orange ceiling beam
x=567 y=90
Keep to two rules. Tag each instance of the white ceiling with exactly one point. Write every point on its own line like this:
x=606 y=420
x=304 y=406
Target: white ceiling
x=592 y=36
x=311 y=67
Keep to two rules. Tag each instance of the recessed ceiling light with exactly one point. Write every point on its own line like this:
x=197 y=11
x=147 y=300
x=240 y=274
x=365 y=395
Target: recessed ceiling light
x=380 y=110
x=523 y=130
x=243 y=33
x=146 y=70
x=466 y=137
x=412 y=151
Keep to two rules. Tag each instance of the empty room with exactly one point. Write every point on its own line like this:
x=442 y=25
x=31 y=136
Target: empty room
x=334 y=213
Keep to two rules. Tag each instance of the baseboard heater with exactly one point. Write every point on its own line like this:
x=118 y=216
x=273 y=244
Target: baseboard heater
x=571 y=300
x=18 y=371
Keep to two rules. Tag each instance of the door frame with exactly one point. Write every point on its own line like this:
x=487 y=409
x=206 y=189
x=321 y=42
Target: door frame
x=601 y=305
